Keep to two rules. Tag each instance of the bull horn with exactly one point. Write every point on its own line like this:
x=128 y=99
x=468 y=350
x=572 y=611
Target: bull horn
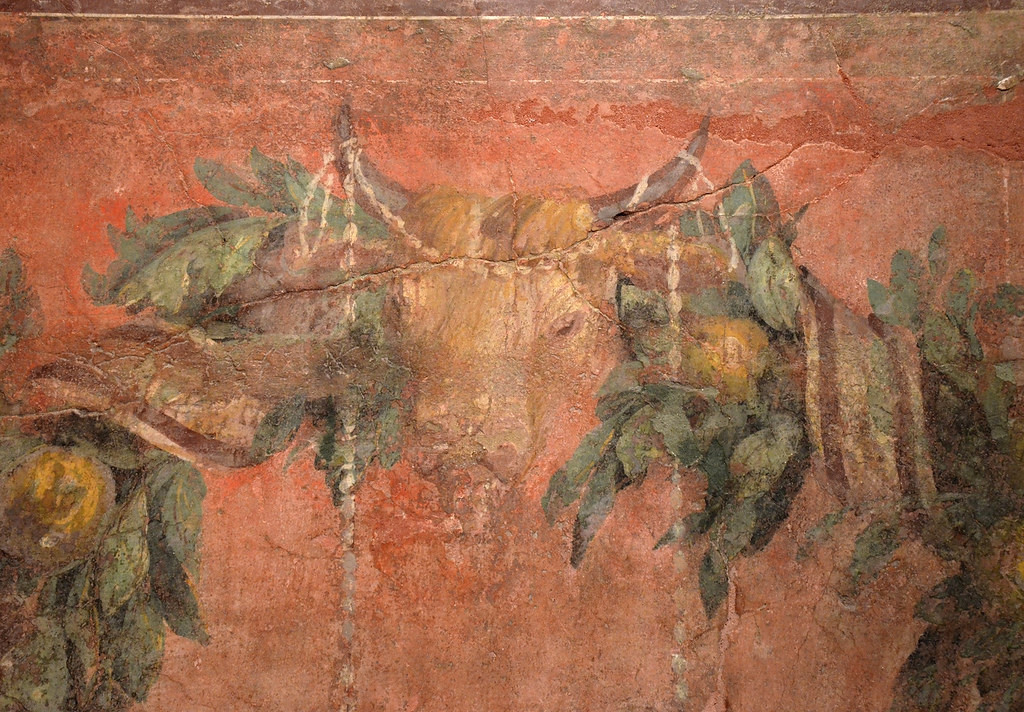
x=373 y=191
x=652 y=189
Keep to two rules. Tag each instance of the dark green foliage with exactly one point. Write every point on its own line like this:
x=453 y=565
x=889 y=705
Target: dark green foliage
x=182 y=263
x=698 y=223
x=37 y=678
x=140 y=244
x=134 y=642
x=176 y=491
x=123 y=558
x=749 y=210
x=568 y=482
x=976 y=617
x=99 y=639
x=713 y=579
x=278 y=428
x=595 y=505
x=362 y=424
x=899 y=303
x=358 y=427
x=20 y=316
x=752 y=454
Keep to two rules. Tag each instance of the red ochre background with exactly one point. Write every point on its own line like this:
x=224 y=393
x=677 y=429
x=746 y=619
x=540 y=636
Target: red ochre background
x=886 y=125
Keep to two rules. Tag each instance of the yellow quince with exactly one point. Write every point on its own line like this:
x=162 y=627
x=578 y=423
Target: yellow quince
x=727 y=354
x=53 y=505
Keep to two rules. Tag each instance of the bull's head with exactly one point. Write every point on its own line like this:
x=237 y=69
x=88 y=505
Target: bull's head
x=478 y=298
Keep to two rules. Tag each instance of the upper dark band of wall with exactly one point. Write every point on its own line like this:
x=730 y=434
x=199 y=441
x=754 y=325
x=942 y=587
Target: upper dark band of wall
x=447 y=8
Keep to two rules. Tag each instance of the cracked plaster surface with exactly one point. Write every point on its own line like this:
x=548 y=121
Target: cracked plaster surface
x=876 y=124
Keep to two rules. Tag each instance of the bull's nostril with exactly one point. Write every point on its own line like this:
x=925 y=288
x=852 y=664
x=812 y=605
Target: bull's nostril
x=568 y=325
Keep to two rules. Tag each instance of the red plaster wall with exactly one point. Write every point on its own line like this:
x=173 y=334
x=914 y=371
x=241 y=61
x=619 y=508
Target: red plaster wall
x=887 y=126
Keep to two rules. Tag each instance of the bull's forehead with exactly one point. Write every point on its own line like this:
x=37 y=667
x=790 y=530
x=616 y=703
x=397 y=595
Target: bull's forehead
x=473 y=307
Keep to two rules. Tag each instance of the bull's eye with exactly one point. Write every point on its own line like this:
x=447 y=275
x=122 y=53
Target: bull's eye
x=568 y=325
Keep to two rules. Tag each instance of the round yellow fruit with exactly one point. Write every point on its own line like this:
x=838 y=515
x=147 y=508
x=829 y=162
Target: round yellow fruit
x=53 y=506
x=728 y=354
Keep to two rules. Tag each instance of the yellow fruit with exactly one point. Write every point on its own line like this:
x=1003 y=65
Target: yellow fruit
x=728 y=356
x=53 y=505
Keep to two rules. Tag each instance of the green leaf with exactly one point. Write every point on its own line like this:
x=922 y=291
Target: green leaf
x=389 y=431
x=639 y=308
x=612 y=406
x=271 y=174
x=713 y=578
x=141 y=245
x=174 y=595
x=123 y=557
x=872 y=550
x=302 y=199
x=724 y=423
x=740 y=521
x=635 y=447
x=228 y=187
x=20 y=314
x=673 y=424
x=201 y=264
x=905 y=286
x=760 y=458
x=1008 y=300
x=938 y=256
x=996 y=398
x=749 y=209
x=567 y=483
x=943 y=346
x=278 y=428
x=134 y=642
x=715 y=466
x=82 y=628
x=698 y=223
x=160 y=232
x=774 y=285
x=176 y=491
x=958 y=296
x=882 y=302
x=672 y=535
x=34 y=675
x=369 y=227
x=594 y=508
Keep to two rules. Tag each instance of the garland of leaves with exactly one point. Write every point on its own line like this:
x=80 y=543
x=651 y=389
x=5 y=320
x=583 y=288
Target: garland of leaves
x=738 y=421
x=96 y=638
x=975 y=637
x=179 y=264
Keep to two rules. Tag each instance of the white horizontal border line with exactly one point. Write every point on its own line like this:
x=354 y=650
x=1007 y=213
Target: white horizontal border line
x=496 y=18
x=610 y=80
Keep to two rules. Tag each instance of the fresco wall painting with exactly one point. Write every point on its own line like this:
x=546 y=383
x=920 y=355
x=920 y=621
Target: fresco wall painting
x=512 y=363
